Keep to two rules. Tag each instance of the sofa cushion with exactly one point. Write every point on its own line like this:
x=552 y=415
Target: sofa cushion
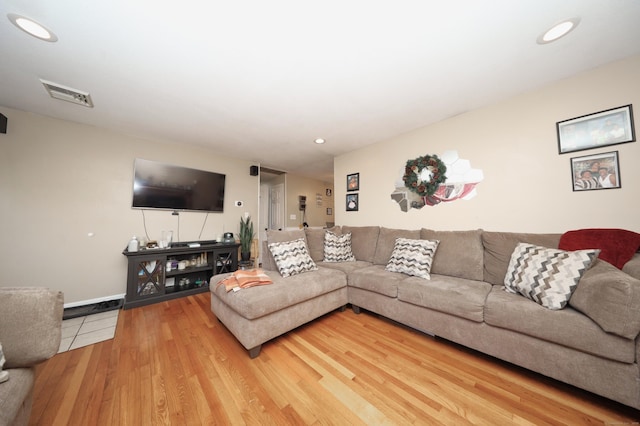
x=546 y=276
x=255 y=302
x=617 y=246
x=274 y=236
x=387 y=241
x=337 y=248
x=412 y=257
x=566 y=327
x=460 y=253
x=363 y=241
x=498 y=247
x=14 y=393
x=611 y=298
x=455 y=296
x=292 y=257
x=346 y=267
x=374 y=278
x=315 y=241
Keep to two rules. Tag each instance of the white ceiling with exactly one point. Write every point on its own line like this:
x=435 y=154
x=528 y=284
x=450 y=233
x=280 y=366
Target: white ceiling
x=262 y=79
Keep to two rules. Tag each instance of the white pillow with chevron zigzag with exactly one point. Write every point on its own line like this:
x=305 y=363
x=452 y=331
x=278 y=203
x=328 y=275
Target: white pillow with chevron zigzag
x=545 y=275
x=337 y=248
x=4 y=375
x=412 y=257
x=292 y=257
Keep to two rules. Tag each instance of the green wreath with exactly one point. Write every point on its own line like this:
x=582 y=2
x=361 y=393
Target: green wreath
x=423 y=175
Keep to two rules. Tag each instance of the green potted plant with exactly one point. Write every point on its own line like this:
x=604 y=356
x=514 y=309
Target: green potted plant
x=246 y=238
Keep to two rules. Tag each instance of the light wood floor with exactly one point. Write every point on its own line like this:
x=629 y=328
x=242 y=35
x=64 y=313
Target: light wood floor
x=174 y=363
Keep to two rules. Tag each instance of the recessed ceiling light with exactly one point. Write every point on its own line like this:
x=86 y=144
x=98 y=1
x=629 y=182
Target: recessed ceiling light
x=319 y=141
x=559 y=30
x=31 y=27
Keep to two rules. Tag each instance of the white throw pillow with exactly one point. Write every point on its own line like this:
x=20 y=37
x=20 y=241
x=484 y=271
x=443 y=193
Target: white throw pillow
x=4 y=375
x=292 y=257
x=337 y=248
x=545 y=275
x=412 y=257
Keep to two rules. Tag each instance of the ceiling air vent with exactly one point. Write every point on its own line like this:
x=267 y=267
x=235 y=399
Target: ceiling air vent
x=64 y=93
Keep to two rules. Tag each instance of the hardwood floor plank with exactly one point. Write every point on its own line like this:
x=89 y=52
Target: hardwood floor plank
x=174 y=363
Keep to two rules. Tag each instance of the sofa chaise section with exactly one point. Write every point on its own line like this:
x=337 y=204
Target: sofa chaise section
x=258 y=314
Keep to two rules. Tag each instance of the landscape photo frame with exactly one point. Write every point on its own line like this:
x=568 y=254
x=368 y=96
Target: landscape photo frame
x=597 y=171
x=604 y=128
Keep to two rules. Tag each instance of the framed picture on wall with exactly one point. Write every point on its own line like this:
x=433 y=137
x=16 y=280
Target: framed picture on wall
x=352 y=202
x=329 y=211
x=604 y=128
x=598 y=171
x=353 y=182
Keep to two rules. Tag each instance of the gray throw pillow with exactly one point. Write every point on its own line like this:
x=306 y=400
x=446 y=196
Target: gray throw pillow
x=611 y=298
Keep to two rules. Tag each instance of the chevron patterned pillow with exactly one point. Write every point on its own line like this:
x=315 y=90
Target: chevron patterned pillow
x=545 y=275
x=292 y=257
x=337 y=248
x=4 y=375
x=412 y=257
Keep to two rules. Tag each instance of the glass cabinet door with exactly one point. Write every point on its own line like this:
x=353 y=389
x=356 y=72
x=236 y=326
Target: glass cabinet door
x=225 y=261
x=149 y=277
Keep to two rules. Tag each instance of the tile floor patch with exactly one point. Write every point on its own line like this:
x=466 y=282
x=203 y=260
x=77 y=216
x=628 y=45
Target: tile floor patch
x=87 y=330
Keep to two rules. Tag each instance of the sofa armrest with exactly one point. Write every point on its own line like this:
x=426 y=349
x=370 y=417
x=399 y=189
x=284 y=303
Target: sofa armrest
x=30 y=324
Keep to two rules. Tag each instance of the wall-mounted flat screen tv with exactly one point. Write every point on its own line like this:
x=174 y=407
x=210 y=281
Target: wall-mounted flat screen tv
x=164 y=186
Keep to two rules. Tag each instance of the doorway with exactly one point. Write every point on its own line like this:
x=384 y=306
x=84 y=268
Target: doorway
x=272 y=203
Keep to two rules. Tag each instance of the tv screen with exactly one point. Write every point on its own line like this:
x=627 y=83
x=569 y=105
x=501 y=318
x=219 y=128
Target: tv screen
x=163 y=186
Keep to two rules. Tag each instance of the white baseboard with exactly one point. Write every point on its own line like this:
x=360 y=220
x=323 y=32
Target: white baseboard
x=92 y=301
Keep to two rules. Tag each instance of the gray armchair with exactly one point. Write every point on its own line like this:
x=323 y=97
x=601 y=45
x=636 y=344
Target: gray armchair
x=30 y=332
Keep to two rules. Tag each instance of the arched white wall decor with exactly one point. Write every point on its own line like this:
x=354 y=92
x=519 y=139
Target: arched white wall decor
x=460 y=184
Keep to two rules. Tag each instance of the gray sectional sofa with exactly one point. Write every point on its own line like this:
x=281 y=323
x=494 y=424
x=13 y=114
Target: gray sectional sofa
x=592 y=343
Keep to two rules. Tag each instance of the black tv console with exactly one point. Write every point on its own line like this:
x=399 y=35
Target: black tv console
x=159 y=274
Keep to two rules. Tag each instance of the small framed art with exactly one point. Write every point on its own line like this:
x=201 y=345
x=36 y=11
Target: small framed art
x=598 y=171
x=353 y=182
x=604 y=128
x=352 y=202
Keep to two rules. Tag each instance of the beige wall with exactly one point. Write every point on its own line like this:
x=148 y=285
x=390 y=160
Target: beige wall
x=316 y=215
x=60 y=181
x=527 y=185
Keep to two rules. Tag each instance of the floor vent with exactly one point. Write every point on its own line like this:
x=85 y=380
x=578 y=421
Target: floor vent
x=95 y=308
x=64 y=93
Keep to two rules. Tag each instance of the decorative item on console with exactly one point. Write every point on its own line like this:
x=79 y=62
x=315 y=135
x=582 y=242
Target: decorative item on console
x=194 y=262
x=424 y=181
x=166 y=239
x=133 y=245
